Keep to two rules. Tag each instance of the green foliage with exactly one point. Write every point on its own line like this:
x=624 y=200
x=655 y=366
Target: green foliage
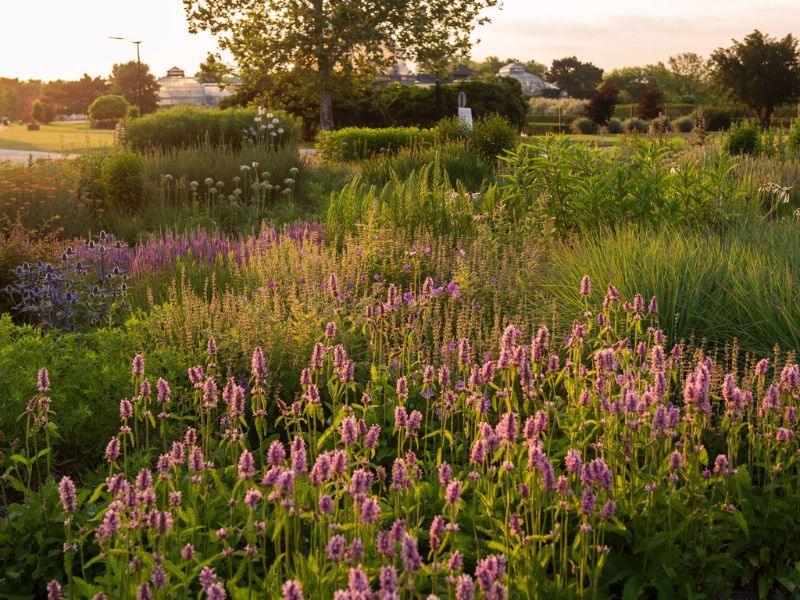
x=583 y=125
x=451 y=129
x=187 y=126
x=424 y=203
x=794 y=136
x=741 y=284
x=578 y=79
x=133 y=112
x=414 y=105
x=683 y=125
x=615 y=126
x=354 y=143
x=493 y=135
x=264 y=42
x=136 y=84
x=38 y=113
x=122 y=180
x=456 y=159
x=107 y=110
x=569 y=186
x=634 y=125
x=760 y=71
x=743 y=138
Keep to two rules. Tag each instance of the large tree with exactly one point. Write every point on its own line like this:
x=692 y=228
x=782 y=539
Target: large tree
x=74 y=97
x=761 y=72
x=330 y=36
x=578 y=79
x=690 y=75
x=213 y=70
x=134 y=82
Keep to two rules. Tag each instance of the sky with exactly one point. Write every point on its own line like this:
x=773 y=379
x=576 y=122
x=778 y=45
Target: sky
x=52 y=39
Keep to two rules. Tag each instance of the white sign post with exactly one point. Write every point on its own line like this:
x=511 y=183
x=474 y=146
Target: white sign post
x=465 y=117
x=464 y=113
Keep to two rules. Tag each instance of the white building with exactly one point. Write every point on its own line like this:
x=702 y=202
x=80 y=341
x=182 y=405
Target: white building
x=177 y=89
x=532 y=85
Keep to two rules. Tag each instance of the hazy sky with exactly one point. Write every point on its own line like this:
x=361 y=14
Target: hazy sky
x=50 y=39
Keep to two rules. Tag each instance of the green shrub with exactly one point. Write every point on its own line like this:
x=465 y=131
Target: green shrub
x=683 y=125
x=187 y=126
x=634 y=125
x=105 y=111
x=719 y=118
x=38 y=113
x=583 y=125
x=354 y=143
x=424 y=203
x=794 y=136
x=451 y=129
x=743 y=138
x=133 y=112
x=493 y=135
x=614 y=126
x=456 y=159
x=122 y=180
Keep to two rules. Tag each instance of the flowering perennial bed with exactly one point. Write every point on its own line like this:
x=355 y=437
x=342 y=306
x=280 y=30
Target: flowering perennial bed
x=606 y=464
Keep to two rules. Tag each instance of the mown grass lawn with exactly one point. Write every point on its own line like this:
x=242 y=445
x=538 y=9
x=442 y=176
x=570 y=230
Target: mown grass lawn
x=71 y=137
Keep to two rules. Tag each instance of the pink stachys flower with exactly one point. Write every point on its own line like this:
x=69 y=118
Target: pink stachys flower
x=586 y=286
x=465 y=588
x=163 y=392
x=125 y=409
x=349 y=431
x=336 y=548
x=409 y=554
x=370 y=511
x=112 y=449
x=53 y=590
x=358 y=582
x=258 y=366
x=137 y=366
x=453 y=492
x=43 y=381
x=298 y=454
x=247 y=465
x=215 y=591
x=292 y=590
x=66 y=490
x=387 y=580
x=489 y=572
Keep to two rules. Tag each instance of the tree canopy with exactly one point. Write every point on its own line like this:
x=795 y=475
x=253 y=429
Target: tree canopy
x=325 y=37
x=578 y=79
x=125 y=81
x=760 y=71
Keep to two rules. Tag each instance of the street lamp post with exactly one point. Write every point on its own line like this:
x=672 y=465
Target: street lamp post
x=138 y=69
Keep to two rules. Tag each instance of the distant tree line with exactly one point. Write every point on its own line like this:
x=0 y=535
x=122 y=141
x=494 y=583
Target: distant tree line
x=65 y=97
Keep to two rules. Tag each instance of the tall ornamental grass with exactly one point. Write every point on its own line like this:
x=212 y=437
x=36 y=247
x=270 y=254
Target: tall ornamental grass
x=742 y=284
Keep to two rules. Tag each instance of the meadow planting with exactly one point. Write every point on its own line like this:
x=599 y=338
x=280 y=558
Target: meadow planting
x=428 y=364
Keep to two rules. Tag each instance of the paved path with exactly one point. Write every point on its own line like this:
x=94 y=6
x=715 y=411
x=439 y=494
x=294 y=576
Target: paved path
x=22 y=156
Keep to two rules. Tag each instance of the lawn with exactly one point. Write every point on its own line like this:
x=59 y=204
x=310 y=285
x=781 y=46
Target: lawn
x=55 y=137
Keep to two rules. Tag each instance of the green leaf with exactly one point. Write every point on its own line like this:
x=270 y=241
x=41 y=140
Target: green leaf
x=632 y=589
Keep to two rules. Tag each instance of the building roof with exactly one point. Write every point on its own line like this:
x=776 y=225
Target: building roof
x=177 y=89
x=532 y=85
x=463 y=70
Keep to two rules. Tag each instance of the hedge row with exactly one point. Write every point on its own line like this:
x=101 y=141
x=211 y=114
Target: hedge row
x=189 y=125
x=355 y=143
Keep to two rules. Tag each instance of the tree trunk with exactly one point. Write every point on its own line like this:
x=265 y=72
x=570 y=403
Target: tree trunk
x=323 y=69
x=765 y=116
x=325 y=100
